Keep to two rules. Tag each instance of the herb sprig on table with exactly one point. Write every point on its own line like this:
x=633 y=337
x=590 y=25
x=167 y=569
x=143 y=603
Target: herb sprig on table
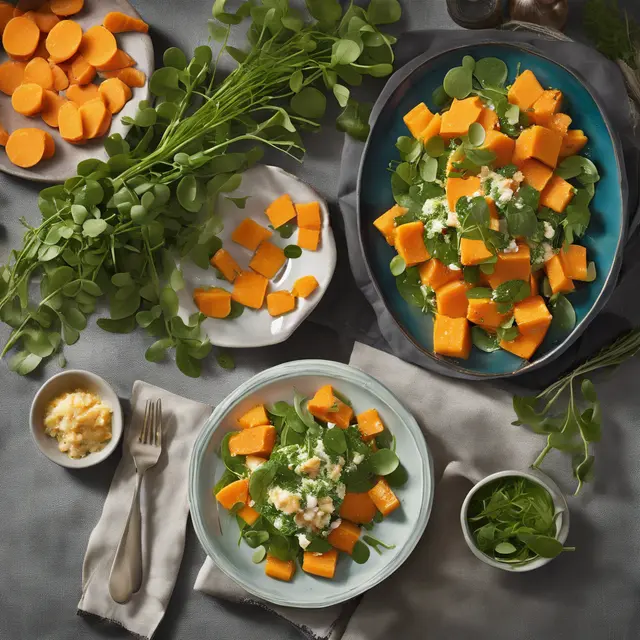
x=116 y=230
x=574 y=429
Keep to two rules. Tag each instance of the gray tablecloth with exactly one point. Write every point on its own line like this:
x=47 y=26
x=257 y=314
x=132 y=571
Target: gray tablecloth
x=46 y=512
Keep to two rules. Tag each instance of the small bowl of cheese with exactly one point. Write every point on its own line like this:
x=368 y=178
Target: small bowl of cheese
x=76 y=419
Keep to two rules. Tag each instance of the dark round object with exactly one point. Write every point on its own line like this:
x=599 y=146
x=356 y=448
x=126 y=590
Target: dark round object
x=476 y=14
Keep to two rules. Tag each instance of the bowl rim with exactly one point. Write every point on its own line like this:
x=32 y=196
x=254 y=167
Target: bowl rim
x=338 y=371
x=451 y=367
x=560 y=504
x=117 y=426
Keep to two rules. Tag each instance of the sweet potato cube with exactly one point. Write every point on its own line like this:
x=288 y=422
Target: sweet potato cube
x=532 y=315
x=451 y=337
x=248 y=514
x=214 y=303
x=383 y=497
x=308 y=214
x=223 y=261
x=304 y=287
x=574 y=262
x=525 y=90
x=494 y=222
x=559 y=122
x=254 y=417
x=369 y=424
x=484 y=312
x=320 y=564
x=268 y=259
x=511 y=266
x=547 y=105
x=540 y=143
x=409 y=243
x=501 y=145
x=256 y=441
x=249 y=289
x=325 y=406
x=524 y=346
x=473 y=252
x=573 y=142
x=234 y=493
x=559 y=281
x=279 y=569
x=451 y=299
x=386 y=225
x=534 y=284
x=459 y=187
x=250 y=234
x=280 y=302
x=358 y=508
x=557 y=194
x=344 y=536
x=281 y=210
x=488 y=119
x=536 y=174
x=436 y=274
x=308 y=239
x=323 y=400
x=462 y=114
x=417 y=119
x=432 y=129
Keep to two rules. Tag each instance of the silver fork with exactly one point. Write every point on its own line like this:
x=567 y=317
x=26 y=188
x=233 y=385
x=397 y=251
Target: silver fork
x=126 y=572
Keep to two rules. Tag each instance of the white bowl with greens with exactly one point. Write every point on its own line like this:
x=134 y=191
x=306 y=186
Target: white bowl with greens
x=515 y=520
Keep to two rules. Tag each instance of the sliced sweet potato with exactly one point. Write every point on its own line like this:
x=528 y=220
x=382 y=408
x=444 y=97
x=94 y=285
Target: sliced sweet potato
x=118 y=22
x=255 y=417
x=257 y=441
x=234 y=493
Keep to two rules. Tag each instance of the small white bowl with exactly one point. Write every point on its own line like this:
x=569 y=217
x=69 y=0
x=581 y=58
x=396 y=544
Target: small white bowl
x=562 y=520
x=70 y=381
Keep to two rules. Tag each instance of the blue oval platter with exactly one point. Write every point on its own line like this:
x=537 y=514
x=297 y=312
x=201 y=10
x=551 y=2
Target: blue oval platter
x=604 y=238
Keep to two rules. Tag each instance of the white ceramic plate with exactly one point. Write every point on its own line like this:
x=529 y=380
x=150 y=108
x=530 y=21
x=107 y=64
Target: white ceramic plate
x=256 y=328
x=67 y=156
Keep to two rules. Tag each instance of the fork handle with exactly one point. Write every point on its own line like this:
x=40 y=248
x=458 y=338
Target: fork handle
x=126 y=572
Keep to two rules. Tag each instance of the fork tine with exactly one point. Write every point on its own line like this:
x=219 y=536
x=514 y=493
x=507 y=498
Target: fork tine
x=152 y=424
x=145 y=422
x=158 y=441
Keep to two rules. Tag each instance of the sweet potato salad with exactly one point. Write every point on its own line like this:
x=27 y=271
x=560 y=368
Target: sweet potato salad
x=305 y=479
x=492 y=198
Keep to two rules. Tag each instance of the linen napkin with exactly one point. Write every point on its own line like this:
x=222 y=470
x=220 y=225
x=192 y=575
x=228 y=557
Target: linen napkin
x=164 y=507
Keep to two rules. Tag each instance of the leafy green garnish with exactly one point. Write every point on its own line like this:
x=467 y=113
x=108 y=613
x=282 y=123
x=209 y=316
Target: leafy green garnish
x=614 y=33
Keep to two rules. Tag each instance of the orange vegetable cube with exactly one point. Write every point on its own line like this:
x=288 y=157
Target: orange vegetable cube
x=320 y=564
x=358 y=508
x=559 y=281
x=493 y=214
x=432 y=129
x=255 y=417
x=536 y=174
x=436 y=274
x=250 y=234
x=369 y=424
x=223 y=261
x=560 y=122
x=462 y=114
x=279 y=569
x=280 y=302
x=533 y=284
x=257 y=441
x=459 y=187
x=344 y=536
x=525 y=90
x=557 y=194
x=451 y=299
x=540 y=143
x=280 y=211
x=524 y=346
x=532 y=315
x=473 y=252
x=234 y=493
x=488 y=119
x=417 y=119
x=574 y=262
x=383 y=497
x=451 y=336
x=409 y=243
x=248 y=514
x=385 y=224
x=309 y=215
x=308 y=239
x=304 y=287
x=501 y=145
x=249 y=289
x=573 y=142
x=547 y=105
x=325 y=406
x=484 y=311
x=214 y=303
x=511 y=266
x=268 y=259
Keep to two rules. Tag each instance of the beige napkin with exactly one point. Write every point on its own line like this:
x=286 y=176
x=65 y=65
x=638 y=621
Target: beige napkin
x=164 y=506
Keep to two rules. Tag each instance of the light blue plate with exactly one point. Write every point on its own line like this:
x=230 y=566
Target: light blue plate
x=218 y=531
x=604 y=239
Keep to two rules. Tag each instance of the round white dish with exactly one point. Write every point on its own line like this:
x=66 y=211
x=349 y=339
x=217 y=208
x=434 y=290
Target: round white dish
x=70 y=381
x=562 y=520
x=67 y=156
x=256 y=328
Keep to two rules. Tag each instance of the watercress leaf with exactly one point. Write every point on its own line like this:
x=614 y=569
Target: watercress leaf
x=92 y=228
x=341 y=94
x=309 y=103
x=458 y=83
x=428 y=168
x=435 y=147
x=292 y=251
x=334 y=440
x=344 y=52
x=225 y=360
x=360 y=553
x=397 y=265
x=484 y=341
x=398 y=477
x=490 y=72
x=169 y=302
x=383 y=462
x=384 y=11
x=296 y=81
x=479 y=292
x=354 y=120
x=476 y=134
x=564 y=315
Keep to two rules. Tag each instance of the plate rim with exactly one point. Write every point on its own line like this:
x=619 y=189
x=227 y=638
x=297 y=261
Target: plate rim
x=338 y=371
x=451 y=367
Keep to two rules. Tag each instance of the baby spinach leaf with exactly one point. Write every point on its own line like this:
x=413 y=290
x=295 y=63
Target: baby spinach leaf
x=235 y=464
x=564 y=315
x=292 y=251
x=226 y=478
x=260 y=481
